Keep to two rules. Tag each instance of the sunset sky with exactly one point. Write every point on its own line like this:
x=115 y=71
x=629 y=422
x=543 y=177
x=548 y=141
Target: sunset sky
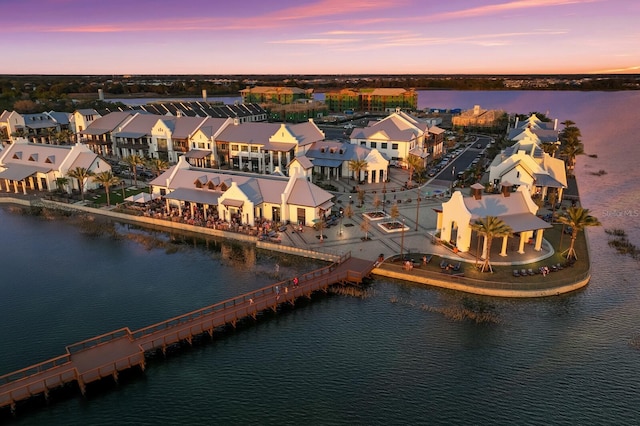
x=320 y=36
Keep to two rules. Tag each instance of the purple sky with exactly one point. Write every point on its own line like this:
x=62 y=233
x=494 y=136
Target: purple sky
x=320 y=36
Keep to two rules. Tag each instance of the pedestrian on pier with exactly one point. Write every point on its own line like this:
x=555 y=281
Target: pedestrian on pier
x=295 y=282
x=277 y=293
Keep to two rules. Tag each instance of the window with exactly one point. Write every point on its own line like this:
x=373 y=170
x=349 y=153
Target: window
x=245 y=148
x=394 y=146
x=254 y=149
x=374 y=144
x=234 y=147
x=363 y=143
x=383 y=145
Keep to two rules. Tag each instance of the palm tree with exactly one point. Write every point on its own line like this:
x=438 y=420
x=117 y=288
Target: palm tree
x=61 y=182
x=416 y=164
x=577 y=218
x=358 y=166
x=490 y=227
x=134 y=161
x=570 y=152
x=64 y=135
x=106 y=179
x=81 y=175
x=570 y=135
x=157 y=166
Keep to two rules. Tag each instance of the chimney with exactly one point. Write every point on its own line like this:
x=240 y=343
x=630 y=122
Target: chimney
x=101 y=94
x=555 y=124
x=204 y=95
x=506 y=188
x=476 y=190
x=516 y=125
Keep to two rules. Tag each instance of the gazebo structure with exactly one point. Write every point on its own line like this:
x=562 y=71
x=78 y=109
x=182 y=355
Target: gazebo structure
x=516 y=209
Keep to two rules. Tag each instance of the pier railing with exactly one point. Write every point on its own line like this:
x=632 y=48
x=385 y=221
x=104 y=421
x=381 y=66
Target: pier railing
x=98 y=340
x=34 y=369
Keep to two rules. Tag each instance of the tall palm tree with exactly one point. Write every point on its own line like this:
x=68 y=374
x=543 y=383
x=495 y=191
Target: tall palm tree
x=490 y=227
x=157 y=166
x=134 y=161
x=570 y=152
x=416 y=164
x=107 y=179
x=358 y=166
x=81 y=175
x=577 y=218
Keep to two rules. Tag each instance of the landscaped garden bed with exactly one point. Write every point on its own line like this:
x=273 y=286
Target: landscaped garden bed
x=393 y=226
x=375 y=215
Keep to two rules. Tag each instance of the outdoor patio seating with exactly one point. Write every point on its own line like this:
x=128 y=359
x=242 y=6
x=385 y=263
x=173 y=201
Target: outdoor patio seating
x=457 y=267
x=443 y=264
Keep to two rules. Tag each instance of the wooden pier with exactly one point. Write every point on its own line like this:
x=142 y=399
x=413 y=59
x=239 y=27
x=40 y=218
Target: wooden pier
x=108 y=354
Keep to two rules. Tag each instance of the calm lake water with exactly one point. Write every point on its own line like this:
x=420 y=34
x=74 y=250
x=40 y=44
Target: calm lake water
x=380 y=359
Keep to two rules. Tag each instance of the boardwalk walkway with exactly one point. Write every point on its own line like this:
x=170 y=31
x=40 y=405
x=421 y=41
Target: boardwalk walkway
x=110 y=353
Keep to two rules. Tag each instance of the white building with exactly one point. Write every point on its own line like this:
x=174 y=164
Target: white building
x=525 y=163
x=33 y=166
x=243 y=197
x=516 y=209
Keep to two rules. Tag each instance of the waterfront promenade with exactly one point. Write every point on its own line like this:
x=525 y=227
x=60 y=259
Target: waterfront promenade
x=418 y=239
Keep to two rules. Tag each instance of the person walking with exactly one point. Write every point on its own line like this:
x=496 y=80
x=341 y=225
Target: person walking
x=295 y=281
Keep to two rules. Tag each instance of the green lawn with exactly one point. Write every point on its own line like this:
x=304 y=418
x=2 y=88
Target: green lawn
x=99 y=197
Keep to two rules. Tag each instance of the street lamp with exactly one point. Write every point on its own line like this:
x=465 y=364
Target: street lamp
x=402 y=243
x=384 y=193
x=350 y=201
x=417 y=207
x=453 y=174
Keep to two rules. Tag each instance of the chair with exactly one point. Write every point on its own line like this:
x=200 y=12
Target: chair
x=429 y=258
x=516 y=273
x=443 y=264
x=559 y=266
x=457 y=267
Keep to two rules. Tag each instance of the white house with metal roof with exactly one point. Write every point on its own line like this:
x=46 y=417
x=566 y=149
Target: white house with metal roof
x=38 y=128
x=331 y=159
x=399 y=135
x=243 y=197
x=525 y=163
x=517 y=209
x=33 y=166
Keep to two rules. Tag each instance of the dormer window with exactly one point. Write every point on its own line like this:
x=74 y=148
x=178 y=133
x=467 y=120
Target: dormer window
x=50 y=159
x=33 y=157
x=17 y=156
